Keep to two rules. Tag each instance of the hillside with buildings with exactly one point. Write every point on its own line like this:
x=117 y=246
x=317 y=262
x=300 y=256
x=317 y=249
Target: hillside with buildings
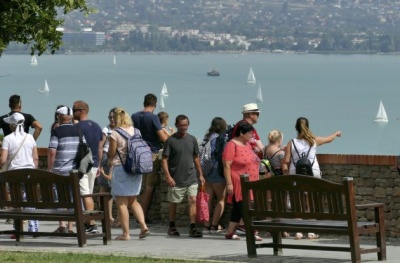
x=219 y=25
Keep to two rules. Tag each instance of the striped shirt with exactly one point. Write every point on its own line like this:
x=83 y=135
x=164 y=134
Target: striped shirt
x=64 y=139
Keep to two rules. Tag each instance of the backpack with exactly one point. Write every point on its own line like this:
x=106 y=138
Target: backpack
x=303 y=165
x=139 y=159
x=221 y=142
x=206 y=157
x=83 y=158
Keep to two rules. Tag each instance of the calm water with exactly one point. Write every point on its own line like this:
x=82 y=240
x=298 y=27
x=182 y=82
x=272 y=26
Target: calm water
x=334 y=92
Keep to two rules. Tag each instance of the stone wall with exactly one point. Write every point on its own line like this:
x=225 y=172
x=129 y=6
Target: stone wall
x=374 y=178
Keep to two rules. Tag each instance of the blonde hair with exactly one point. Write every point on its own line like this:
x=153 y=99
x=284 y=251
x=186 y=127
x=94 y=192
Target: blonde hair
x=163 y=116
x=275 y=136
x=122 y=118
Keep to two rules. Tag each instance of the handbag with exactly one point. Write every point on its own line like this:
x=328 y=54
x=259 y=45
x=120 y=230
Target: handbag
x=202 y=213
x=83 y=158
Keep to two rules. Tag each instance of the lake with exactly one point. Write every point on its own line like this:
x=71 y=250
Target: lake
x=335 y=92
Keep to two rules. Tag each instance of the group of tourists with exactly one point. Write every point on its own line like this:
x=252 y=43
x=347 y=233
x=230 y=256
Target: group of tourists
x=175 y=155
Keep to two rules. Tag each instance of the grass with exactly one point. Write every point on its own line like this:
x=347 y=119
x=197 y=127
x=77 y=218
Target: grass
x=29 y=257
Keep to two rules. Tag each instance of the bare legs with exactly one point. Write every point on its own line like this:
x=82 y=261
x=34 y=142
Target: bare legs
x=123 y=205
x=219 y=191
x=146 y=198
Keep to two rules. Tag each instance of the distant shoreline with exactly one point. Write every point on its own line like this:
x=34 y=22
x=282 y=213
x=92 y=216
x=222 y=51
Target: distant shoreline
x=210 y=53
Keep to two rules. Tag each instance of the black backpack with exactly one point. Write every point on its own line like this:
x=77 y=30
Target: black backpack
x=221 y=142
x=303 y=165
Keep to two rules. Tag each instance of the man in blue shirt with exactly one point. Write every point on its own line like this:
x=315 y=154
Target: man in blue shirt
x=150 y=127
x=93 y=135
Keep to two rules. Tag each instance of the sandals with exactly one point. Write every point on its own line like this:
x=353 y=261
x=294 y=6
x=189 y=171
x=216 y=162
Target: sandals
x=122 y=238
x=172 y=231
x=298 y=236
x=144 y=233
x=312 y=236
x=60 y=229
x=217 y=229
x=257 y=238
x=194 y=233
x=232 y=236
x=116 y=223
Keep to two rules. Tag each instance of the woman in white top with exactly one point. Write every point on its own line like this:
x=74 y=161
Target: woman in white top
x=305 y=143
x=305 y=139
x=19 y=151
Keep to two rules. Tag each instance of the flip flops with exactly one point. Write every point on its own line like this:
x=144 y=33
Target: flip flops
x=144 y=233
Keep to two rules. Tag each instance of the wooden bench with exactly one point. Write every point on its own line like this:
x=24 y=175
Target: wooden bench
x=325 y=207
x=66 y=205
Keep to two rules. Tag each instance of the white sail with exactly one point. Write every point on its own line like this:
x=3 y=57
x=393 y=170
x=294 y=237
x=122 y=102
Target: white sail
x=114 y=60
x=162 y=105
x=45 y=89
x=251 y=79
x=259 y=97
x=164 y=91
x=34 y=61
x=381 y=115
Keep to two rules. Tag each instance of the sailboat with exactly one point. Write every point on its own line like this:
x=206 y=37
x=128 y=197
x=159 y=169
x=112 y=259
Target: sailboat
x=45 y=89
x=162 y=105
x=34 y=61
x=251 y=79
x=114 y=60
x=381 y=115
x=259 y=97
x=164 y=91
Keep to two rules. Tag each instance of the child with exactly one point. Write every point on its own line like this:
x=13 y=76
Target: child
x=164 y=118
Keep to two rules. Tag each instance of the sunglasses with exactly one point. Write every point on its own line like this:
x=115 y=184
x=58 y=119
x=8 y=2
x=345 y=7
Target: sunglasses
x=75 y=110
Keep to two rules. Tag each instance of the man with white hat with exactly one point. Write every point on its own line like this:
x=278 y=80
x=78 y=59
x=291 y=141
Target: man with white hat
x=62 y=150
x=251 y=114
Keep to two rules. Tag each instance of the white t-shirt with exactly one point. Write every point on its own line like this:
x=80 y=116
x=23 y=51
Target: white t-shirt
x=24 y=157
x=302 y=147
x=107 y=132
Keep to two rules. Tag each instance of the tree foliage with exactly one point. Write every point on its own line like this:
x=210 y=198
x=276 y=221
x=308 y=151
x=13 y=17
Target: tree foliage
x=35 y=21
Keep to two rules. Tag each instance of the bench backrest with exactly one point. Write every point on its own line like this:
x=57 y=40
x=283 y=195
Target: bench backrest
x=42 y=189
x=299 y=196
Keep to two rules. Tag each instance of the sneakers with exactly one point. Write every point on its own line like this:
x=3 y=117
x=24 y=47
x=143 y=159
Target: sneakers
x=92 y=229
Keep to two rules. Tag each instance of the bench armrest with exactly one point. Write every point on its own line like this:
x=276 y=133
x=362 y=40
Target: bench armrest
x=370 y=205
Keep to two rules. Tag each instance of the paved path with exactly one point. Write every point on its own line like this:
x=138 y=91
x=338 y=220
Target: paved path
x=210 y=247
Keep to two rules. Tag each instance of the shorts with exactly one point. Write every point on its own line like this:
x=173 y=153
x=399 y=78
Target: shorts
x=213 y=177
x=153 y=179
x=86 y=183
x=176 y=194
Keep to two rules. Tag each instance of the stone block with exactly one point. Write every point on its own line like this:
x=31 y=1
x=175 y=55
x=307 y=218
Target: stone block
x=379 y=192
x=396 y=191
x=365 y=191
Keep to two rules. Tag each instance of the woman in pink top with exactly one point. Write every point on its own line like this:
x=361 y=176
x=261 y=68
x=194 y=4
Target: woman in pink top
x=239 y=158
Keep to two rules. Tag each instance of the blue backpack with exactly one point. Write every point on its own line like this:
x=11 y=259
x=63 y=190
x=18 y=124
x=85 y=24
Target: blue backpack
x=139 y=159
